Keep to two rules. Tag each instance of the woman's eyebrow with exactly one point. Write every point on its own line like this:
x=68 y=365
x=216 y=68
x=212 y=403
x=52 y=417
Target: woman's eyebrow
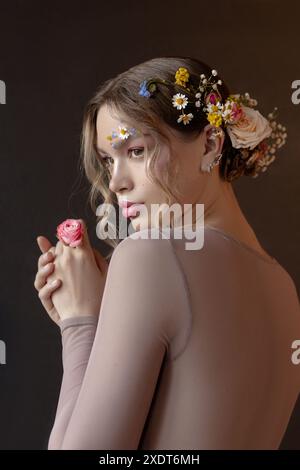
x=130 y=138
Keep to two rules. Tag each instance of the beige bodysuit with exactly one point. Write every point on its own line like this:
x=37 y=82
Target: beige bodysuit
x=192 y=350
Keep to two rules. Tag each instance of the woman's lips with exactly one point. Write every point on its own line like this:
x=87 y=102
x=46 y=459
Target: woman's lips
x=131 y=210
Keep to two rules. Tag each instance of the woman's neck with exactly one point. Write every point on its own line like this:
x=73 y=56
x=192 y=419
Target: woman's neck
x=222 y=211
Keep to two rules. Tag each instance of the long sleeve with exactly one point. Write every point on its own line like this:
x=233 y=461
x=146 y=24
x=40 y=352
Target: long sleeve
x=77 y=339
x=111 y=367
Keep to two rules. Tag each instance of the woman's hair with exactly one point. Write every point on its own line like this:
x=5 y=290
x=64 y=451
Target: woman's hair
x=122 y=96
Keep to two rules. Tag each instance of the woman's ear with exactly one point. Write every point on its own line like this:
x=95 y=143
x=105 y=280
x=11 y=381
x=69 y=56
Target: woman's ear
x=213 y=139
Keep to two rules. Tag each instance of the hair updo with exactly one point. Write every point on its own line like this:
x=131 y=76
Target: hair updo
x=121 y=94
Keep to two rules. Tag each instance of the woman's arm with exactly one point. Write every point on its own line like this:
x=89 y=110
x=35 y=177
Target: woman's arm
x=109 y=379
x=77 y=340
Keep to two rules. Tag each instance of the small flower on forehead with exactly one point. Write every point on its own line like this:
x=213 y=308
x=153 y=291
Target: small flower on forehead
x=112 y=136
x=123 y=133
x=179 y=101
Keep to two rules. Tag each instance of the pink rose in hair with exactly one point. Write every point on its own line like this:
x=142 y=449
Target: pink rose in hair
x=71 y=232
x=249 y=130
x=236 y=112
x=212 y=98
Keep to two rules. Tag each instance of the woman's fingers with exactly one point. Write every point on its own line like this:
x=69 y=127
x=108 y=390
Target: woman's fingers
x=45 y=258
x=46 y=292
x=59 y=248
x=47 y=249
x=42 y=274
x=44 y=243
x=44 y=277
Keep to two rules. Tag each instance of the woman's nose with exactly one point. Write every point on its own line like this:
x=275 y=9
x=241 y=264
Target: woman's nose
x=120 y=178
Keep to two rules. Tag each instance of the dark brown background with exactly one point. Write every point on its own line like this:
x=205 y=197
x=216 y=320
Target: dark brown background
x=53 y=55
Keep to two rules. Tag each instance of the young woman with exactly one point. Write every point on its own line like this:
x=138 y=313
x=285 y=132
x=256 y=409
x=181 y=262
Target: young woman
x=166 y=347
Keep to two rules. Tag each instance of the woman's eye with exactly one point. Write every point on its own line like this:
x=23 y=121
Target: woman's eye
x=137 y=150
x=108 y=161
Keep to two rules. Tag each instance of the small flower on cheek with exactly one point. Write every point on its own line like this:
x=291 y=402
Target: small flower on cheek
x=71 y=232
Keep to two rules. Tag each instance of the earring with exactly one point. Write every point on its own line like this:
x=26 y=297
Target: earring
x=216 y=132
x=214 y=162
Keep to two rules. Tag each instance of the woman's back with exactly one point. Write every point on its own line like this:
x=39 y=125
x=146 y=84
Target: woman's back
x=192 y=350
x=228 y=382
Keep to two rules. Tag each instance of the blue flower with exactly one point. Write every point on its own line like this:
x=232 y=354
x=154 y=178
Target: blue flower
x=143 y=90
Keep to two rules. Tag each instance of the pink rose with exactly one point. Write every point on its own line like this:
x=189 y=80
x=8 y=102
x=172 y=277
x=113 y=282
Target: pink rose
x=249 y=130
x=212 y=98
x=71 y=232
x=236 y=112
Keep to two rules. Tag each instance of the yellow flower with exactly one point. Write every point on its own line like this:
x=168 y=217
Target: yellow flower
x=182 y=76
x=213 y=108
x=235 y=98
x=214 y=119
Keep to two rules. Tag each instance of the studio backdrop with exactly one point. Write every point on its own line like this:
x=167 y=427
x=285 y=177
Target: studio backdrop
x=53 y=56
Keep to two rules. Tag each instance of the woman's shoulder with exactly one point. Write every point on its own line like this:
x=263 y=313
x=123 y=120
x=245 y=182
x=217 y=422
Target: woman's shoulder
x=148 y=249
x=147 y=239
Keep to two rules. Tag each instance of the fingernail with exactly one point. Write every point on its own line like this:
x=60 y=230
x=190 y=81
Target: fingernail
x=53 y=283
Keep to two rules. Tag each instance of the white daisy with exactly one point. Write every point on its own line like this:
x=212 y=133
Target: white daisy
x=185 y=118
x=123 y=132
x=179 y=101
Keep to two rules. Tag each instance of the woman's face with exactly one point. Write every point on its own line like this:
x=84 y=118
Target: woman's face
x=129 y=180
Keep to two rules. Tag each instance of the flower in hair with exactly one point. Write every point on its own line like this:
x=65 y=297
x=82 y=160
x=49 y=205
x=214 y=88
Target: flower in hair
x=249 y=130
x=144 y=90
x=179 y=101
x=255 y=136
x=185 y=118
x=264 y=152
x=182 y=76
x=148 y=87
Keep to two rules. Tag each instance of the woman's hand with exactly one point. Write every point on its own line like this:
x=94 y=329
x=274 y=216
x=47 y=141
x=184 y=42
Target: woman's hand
x=81 y=273
x=82 y=280
x=42 y=283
